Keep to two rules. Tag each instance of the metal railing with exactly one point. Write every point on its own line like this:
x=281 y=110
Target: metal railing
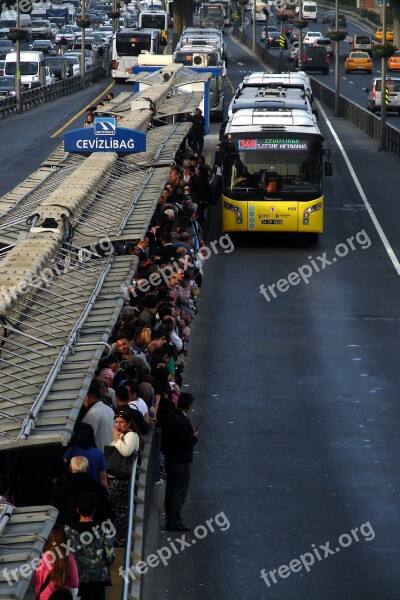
x=140 y=498
x=47 y=93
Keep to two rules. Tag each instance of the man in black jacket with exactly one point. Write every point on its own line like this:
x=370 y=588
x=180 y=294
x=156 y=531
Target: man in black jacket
x=177 y=440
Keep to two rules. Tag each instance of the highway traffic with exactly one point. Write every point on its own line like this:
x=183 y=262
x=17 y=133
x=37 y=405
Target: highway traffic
x=351 y=86
x=296 y=390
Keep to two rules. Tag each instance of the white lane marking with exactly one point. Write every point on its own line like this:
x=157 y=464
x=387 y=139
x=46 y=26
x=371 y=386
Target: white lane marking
x=367 y=205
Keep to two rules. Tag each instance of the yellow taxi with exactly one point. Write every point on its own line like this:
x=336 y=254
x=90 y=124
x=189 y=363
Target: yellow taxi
x=379 y=34
x=393 y=63
x=358 y=61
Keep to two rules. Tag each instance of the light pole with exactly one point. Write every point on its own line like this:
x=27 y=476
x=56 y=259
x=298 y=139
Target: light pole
x=336 y=60
x=115 y=22
x=254 y=26
x=300 y=61
x=18 y=65
x=242 y=5
x=83 y=61
x=382 y=137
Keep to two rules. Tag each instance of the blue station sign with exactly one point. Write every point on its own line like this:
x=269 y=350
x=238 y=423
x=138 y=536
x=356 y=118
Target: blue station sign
x=105 y=136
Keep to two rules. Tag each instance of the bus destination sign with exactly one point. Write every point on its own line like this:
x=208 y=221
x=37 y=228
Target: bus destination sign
x=294 y=144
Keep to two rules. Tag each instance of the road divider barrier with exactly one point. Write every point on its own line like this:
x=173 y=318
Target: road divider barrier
x=47 y=93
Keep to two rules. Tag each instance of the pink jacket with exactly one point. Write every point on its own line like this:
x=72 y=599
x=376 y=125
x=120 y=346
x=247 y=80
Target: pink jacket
x=42 y=571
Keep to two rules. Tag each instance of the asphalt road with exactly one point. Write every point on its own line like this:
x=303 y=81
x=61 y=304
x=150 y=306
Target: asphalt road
x=28 y=139
x=299 y=397
x=299 y=394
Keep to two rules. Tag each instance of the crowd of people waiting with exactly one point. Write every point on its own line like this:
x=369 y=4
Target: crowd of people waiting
x=95 y=111
x=137 y=388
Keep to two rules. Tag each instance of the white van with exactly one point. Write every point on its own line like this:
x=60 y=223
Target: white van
x=31 y=65
x=8 y=19
x=362 y=41
x=310 y=12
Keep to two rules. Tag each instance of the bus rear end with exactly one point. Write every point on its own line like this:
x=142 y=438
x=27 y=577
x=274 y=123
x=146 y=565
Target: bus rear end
x=127 y=45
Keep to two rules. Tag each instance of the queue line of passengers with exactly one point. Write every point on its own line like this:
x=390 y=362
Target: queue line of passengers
x=136 y=389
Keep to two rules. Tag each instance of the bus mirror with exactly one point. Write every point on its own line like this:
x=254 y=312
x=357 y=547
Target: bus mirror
x=328 y=169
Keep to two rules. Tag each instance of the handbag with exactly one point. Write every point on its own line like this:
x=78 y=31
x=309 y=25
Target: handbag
x=117 y=465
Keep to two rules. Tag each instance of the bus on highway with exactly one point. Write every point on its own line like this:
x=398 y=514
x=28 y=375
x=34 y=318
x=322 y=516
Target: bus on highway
x=212 y=15
x=126 y=47
x=272 y=172
x=155 y=19
x=226 y=5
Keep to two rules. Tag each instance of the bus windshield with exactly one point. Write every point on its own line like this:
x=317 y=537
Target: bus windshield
x=132 y=44
x=226 y=7
x=153 y=21
x=290 y=166
x=196 y=59
x=8 y=23
x=211 y=13
x=27 y=68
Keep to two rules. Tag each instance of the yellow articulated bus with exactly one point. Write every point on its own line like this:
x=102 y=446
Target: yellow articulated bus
x=273 y=172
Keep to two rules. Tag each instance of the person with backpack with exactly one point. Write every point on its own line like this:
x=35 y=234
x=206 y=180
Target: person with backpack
x=93 y=550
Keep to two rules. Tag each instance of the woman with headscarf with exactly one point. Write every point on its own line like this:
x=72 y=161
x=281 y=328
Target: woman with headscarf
x=127 y=442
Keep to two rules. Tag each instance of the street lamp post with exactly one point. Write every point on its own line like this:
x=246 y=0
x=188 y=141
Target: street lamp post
x=115 y=22
x=336 y=112
x=254 y=26
x=300 y=60
x=266 y=31
x=83 y=61
x=242 y=3
x=382 y=137
x=18 y=65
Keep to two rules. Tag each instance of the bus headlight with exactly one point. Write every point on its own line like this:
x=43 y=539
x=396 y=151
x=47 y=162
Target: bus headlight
x=236 y=210
x=307 y=212
x=230 y=206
